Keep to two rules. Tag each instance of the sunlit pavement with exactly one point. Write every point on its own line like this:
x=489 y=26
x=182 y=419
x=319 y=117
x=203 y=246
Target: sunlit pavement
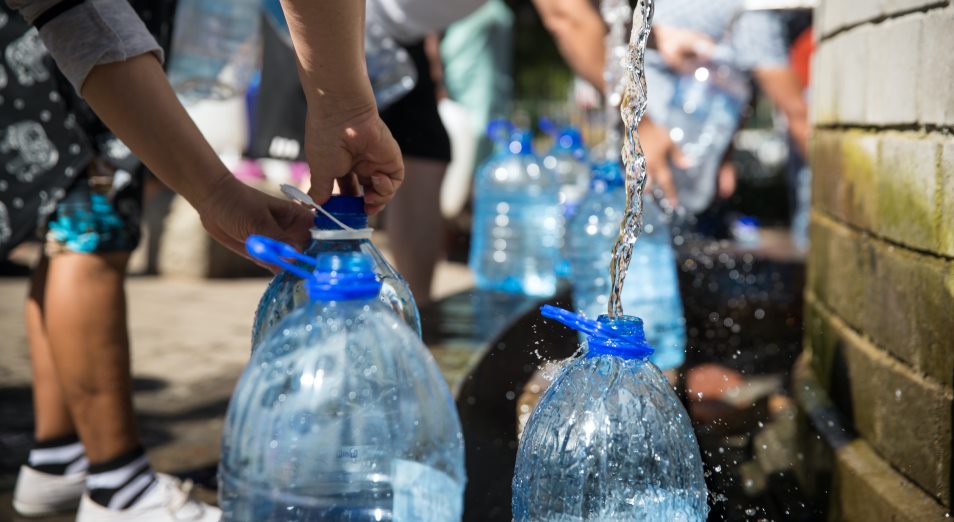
x=190 y=341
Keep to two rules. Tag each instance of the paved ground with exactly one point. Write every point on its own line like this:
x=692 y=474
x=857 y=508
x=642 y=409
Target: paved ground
x=190 y=340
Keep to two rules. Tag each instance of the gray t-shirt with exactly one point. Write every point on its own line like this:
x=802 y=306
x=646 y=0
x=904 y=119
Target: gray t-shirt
x=92 y=33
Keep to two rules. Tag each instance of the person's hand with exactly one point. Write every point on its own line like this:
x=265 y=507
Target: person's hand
x=358 y=151
x=682 y=48
x=232 y=211
x=727 y=181
x=660 y=152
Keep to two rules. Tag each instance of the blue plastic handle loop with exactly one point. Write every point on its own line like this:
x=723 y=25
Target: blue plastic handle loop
x=622 y=337
x=274 y=252
x=577 y=322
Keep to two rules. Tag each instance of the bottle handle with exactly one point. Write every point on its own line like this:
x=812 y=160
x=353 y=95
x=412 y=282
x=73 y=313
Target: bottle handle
x=274 y=252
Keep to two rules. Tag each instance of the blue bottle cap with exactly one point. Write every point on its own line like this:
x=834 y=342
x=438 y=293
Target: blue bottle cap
x=521 y=142
x=570 y=141
x=347 y=209
x=336 y=277
x=608 y=174
x=623 y=337
x=343 y=277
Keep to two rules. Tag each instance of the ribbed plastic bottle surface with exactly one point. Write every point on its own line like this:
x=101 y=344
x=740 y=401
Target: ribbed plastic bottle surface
x=342 y=415
x=651 y=290
x=609 y=442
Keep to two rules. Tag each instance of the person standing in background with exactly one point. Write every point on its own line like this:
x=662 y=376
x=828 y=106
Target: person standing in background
x=414 y=222
x=477 y=54
x=79 y=342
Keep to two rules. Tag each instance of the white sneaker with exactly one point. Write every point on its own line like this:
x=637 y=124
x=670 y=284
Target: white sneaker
x=40 y=494
x=167 y=500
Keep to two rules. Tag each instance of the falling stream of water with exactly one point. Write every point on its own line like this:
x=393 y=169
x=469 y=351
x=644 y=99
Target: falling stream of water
x=632 y=108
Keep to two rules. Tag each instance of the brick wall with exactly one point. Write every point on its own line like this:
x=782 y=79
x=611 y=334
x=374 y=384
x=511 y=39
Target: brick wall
x=880 y=292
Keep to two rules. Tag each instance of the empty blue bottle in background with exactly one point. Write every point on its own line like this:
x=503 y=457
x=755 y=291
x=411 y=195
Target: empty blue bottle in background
x=609 y=440
x=651 y=290
x=342 y=413
x=287 y=291
x=568 y=161
x=214 y=47
x=517 y=221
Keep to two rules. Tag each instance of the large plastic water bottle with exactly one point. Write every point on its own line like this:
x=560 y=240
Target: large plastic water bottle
x=214 y=47
x=517 y=221
x=567 y=159
x=609 y=440
x=651 y=289
x=703 y=115
x=390 y=69
x=342 y=413
x=287 y=291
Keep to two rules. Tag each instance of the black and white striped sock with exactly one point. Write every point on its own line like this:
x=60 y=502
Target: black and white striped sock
x=59 y=456
x=120 y=482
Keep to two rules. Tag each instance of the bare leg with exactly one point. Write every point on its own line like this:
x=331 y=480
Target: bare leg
x=415 y=225
x=86 y=322
x=52 y=418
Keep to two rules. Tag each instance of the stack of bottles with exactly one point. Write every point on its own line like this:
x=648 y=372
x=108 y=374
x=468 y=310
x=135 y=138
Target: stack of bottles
x=652 y=287
x=609 y=440
x=517 y=224
x=703 y=115
x=342 y=413
x=343 y=230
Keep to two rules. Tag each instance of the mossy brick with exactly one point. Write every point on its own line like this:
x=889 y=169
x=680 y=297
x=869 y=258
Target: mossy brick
x=905 y=417
x=866 y=488
x=892 y=71
x=840 y=269
x=903 y=300
x=846 y=164
x=821 y=340
x=946 y=197
x=935 y=96
x=907 y=189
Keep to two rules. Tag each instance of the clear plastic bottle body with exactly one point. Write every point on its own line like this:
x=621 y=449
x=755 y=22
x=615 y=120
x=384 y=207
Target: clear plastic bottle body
x=516 y=231
x=609 y=441
x=390 y=68
x=342 y=414
x=704 y=113
x=286 y=291
x=651 y=290
x=214 y=47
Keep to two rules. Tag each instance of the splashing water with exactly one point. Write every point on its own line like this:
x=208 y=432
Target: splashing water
x=632 y=109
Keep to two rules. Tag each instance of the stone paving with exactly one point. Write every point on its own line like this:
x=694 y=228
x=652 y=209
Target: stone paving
x=190 y=341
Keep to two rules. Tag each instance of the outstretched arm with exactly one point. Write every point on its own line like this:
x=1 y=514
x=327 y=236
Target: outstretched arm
x=345 y=139
x=134 y=98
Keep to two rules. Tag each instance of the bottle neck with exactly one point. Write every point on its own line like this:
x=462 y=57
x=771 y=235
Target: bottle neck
x=341 y=235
